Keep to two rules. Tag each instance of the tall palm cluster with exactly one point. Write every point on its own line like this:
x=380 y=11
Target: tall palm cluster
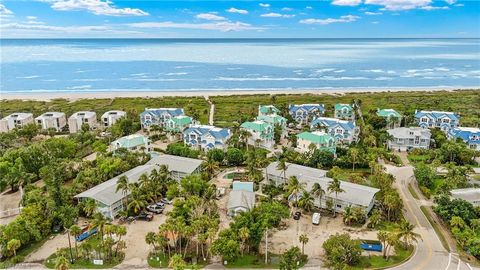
x=148 y=189
x=192 y=224
x=403 y=235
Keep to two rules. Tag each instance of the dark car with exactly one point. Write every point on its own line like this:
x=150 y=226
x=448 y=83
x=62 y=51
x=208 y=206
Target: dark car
x=145 y=216
x=157 y=209
x=297 y=215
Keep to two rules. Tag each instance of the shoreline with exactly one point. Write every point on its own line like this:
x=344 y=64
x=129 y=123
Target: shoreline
x=72 y=96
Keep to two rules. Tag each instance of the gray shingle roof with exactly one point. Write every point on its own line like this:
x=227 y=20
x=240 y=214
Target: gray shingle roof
x=354 y=193
x=177 y=164
x=241 y=198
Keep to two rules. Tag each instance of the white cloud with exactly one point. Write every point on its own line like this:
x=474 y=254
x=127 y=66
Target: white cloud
x=309 y=7
x=220 y=26
x=68 y=29
x=97 y=7
x=451 y=2
x=4 y=12
x=459 y=5
x=210 y=17
x=399 y=4
x=235 y=10
x=31 y=18
x=375 y=22
x=346 y=2
x=264 y=5
x=277 y=15
x=342 y=19
x=434 y=8
x=373 y=13
x=287 y=9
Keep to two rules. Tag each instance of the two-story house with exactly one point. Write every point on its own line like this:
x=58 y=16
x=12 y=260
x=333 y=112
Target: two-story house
x=134 y=142
x=15 y=120
x=55 y=120
x=206 y=137
x=392 y=117
x=304 y=113
x=407 y=138
x=158 y=116
x=76 y=120
x=319 y=139
x=178 y=124
x=343 y=131
x=267 y=110
x=261 y=133
x=436 y=119
x=344 y=112
x=109 y=118
x=470 y=135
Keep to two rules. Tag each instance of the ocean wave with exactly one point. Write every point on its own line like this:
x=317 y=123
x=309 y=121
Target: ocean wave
x=80 y=87
x=28 y=77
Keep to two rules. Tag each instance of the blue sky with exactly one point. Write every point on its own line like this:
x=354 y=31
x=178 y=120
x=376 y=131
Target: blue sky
x=239 y=19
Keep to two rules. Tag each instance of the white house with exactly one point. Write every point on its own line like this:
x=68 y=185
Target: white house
x=15 y=120
x=471 y=195
x=470 y=135
x=404 y=139
x=262 y=133
x=353 y=195
x=134 y=142
x=55 y=120
x=343 y=131
x=76 y=120
x=109 y=118
x=240 y=201
x=206 y=137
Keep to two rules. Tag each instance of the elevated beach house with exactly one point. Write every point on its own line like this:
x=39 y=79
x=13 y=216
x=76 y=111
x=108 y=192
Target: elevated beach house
x=271 y=115
x=15 y=120
x=470 y=135
x=437 y=119
x=261 y=133
x=304 y=113
x=76 y=120
x=316 y=139
x=55 y=120
x=110 y=201
x=206 y=137
x=343 y=131
x=109 y=118
x=158 y=116
x=407 y=138
x=353 y=195
x=178 y=124
x=392 y=117
x=134 y=142
x=344 y=111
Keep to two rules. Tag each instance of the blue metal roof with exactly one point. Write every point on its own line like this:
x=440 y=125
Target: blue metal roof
x=466 y=134
x=332 y=122
x=308 y=107
x=437 y=115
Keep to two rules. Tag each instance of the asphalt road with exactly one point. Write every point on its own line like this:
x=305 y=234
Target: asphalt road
x=430 y=253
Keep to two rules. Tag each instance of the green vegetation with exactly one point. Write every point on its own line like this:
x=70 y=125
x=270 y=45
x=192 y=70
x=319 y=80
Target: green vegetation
x=378 y=262
x=435 y=226
x=249 y=261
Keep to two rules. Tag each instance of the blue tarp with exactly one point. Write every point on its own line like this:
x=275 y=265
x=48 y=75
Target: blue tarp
x=372 y=247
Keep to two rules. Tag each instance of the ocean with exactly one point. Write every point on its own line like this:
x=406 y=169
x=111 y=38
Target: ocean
x=101 y=65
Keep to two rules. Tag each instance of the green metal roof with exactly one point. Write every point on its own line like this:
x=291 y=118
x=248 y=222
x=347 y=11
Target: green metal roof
x=131 y=141
x=340 y=106
x=388 y=113
x=315 y=137
x=259 y=126
x=272 y=119
x=269 y=109
x=182 y=120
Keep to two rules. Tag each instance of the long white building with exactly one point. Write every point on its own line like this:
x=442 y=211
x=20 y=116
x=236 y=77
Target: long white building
x=15 y=120
x=109 y=118
x=55 y=120
x=76 y=120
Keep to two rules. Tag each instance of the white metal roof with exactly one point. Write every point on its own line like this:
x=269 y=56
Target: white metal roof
x=241 y=198
x=51 y=115
x=176 y=163
x=467 y=194
x=19 y=116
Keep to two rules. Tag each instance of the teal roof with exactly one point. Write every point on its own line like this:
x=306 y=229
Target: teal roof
x=314 y=137
x=387 y=113
x=131 y=141
x=267 y=109
x=259 y=126
x=272 y=119
x=340 y=106
x=237 y=185
x=182 y=120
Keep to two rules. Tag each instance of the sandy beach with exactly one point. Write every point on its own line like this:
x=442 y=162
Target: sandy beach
x=46 y=96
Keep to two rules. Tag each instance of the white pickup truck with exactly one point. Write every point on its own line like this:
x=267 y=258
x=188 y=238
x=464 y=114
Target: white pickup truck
x=316 y=218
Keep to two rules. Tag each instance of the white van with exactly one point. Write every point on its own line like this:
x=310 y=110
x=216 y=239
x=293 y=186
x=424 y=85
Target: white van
x=316 y=218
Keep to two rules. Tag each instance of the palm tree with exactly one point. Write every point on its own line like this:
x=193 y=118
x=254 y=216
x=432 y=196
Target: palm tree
x=210 y=166
x=90 y=207
x=334 y=187
x=306 y=201
x=177 y=262
x=13 y=245
x=282 y=166
x=61 y=263
x=244 y=135
x=244 y=234
x=294 y=187
x=119 y=231
x=99 y=221
x=407 y=234
x=318 y=192
x=138 y=200
x=348 y=215
x=354 y=153
x=150 y=239
x=76 y=231
x=303 y=239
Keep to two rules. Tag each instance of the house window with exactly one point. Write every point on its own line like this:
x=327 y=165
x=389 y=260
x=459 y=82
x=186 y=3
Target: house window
x=417 y=139
x=339 y=131
x=424 y=120
x=446 y=120
x=148 y=117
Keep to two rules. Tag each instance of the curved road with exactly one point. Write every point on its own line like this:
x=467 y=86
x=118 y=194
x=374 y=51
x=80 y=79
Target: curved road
x=429 y=253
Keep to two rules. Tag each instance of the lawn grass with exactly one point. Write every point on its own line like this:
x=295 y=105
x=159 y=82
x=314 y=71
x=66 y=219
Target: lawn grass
x=412 y=191
x=22 y=253
x=417 y=158
x=436 y=227
x=378 y=262
x=254 y=261
x=160 y=260
x=347 y=174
